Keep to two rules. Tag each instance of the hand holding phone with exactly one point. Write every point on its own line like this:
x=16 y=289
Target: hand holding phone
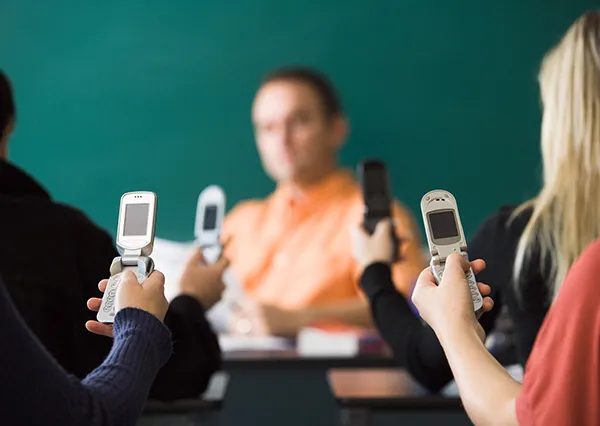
x=374 y=182
x=445 y=236
x=135 y=240
x=209 y=220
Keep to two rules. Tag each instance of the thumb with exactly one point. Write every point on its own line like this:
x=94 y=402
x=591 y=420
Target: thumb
x=357 y=236
x=128 y=278
x=222 y=262
x=383 y=228
x=454 y=271
x=155 y=282
x=425 y=280
x=198 y=256
x=128 y=281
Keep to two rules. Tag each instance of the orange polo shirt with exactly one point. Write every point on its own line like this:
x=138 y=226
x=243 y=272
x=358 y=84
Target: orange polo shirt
x=295 y=252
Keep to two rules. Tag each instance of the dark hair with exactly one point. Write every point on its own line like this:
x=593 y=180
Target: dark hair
x=7 y=103
x=321 y=84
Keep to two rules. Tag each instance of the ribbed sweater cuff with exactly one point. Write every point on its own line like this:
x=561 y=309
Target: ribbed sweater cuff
x=145 y=333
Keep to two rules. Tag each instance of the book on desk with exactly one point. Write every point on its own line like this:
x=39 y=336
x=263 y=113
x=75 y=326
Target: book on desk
x=338 y=340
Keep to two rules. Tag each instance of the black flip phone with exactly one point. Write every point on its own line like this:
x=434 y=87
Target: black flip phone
x=374 y=182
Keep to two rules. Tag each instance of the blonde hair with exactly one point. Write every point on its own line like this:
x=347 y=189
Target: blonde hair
x=566 y=212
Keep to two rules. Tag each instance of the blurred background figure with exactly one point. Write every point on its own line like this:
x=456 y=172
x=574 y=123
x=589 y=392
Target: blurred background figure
x=292 y=251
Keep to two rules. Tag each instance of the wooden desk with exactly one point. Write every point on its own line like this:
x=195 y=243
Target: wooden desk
x=389 y=396
x=290 y=358
x=282 y=387
x=203 y=411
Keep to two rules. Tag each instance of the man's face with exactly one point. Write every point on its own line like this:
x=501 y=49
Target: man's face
x=4 y=137
x=296 y=140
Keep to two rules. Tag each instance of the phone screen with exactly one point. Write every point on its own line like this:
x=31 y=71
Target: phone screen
x=375 y=183
x=210 y=218
x=136 y=220
x=443 y=224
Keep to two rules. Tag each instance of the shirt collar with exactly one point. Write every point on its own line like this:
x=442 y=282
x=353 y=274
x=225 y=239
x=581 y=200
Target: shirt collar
x=290 y=197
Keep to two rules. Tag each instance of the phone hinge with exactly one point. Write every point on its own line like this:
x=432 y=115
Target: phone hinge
x=130 y=257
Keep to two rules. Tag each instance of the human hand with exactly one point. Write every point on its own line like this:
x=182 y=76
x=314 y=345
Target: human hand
x=203 y=281
x=368 y=249
x=148 y=296
x=449 y=304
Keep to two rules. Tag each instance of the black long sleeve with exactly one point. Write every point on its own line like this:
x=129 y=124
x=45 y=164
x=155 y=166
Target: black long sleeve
x=196 y=352
x=414 y=344
x=496 y=242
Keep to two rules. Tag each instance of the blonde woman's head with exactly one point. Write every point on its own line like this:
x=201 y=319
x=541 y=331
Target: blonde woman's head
x=566 y=212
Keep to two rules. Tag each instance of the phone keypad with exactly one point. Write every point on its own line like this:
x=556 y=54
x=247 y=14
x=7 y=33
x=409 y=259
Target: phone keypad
x=438 y=272
x=108 y=302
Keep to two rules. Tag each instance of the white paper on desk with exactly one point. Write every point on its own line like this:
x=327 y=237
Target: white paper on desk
x=233 y=296
x=170 y=257
x=312 y=341
x=230 y=343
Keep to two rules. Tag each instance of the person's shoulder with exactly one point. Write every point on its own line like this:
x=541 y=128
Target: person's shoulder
x=72 y=213
x=509 y=219
x=243 y=213
x=583 y=275
x=80 y=221
x=246 y=208
x=592 y=252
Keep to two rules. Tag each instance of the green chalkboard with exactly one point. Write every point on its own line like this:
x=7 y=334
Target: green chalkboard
x=120 y=95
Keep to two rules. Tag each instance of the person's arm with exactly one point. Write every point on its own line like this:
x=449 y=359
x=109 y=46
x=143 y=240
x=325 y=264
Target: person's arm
x=196 y=352
x=36 y=390
x=560 y=385
x=413 y=343
x=487 y=390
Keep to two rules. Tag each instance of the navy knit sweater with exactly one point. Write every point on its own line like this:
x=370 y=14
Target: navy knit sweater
x=37 y=391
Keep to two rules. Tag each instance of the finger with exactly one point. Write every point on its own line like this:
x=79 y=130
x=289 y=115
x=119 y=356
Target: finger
x=358 y=241
x=358 y=233
x=155 y=282
x=383 y=228
x=454 y=271
x=488 y=304
x=99 y=328
x=401 y=229
x=222 y=262
x=128 y=279
x=127 y=276
x=94 y=303
x=226 y=242
x=484 y=289
x=198 y=256
x=102 y=285
x=478 y=265
x=426 y=279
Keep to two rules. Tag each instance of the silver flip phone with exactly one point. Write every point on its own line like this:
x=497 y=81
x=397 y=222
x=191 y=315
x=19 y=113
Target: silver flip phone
x=135 y=240
x=445 y=236
x=209 y=220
